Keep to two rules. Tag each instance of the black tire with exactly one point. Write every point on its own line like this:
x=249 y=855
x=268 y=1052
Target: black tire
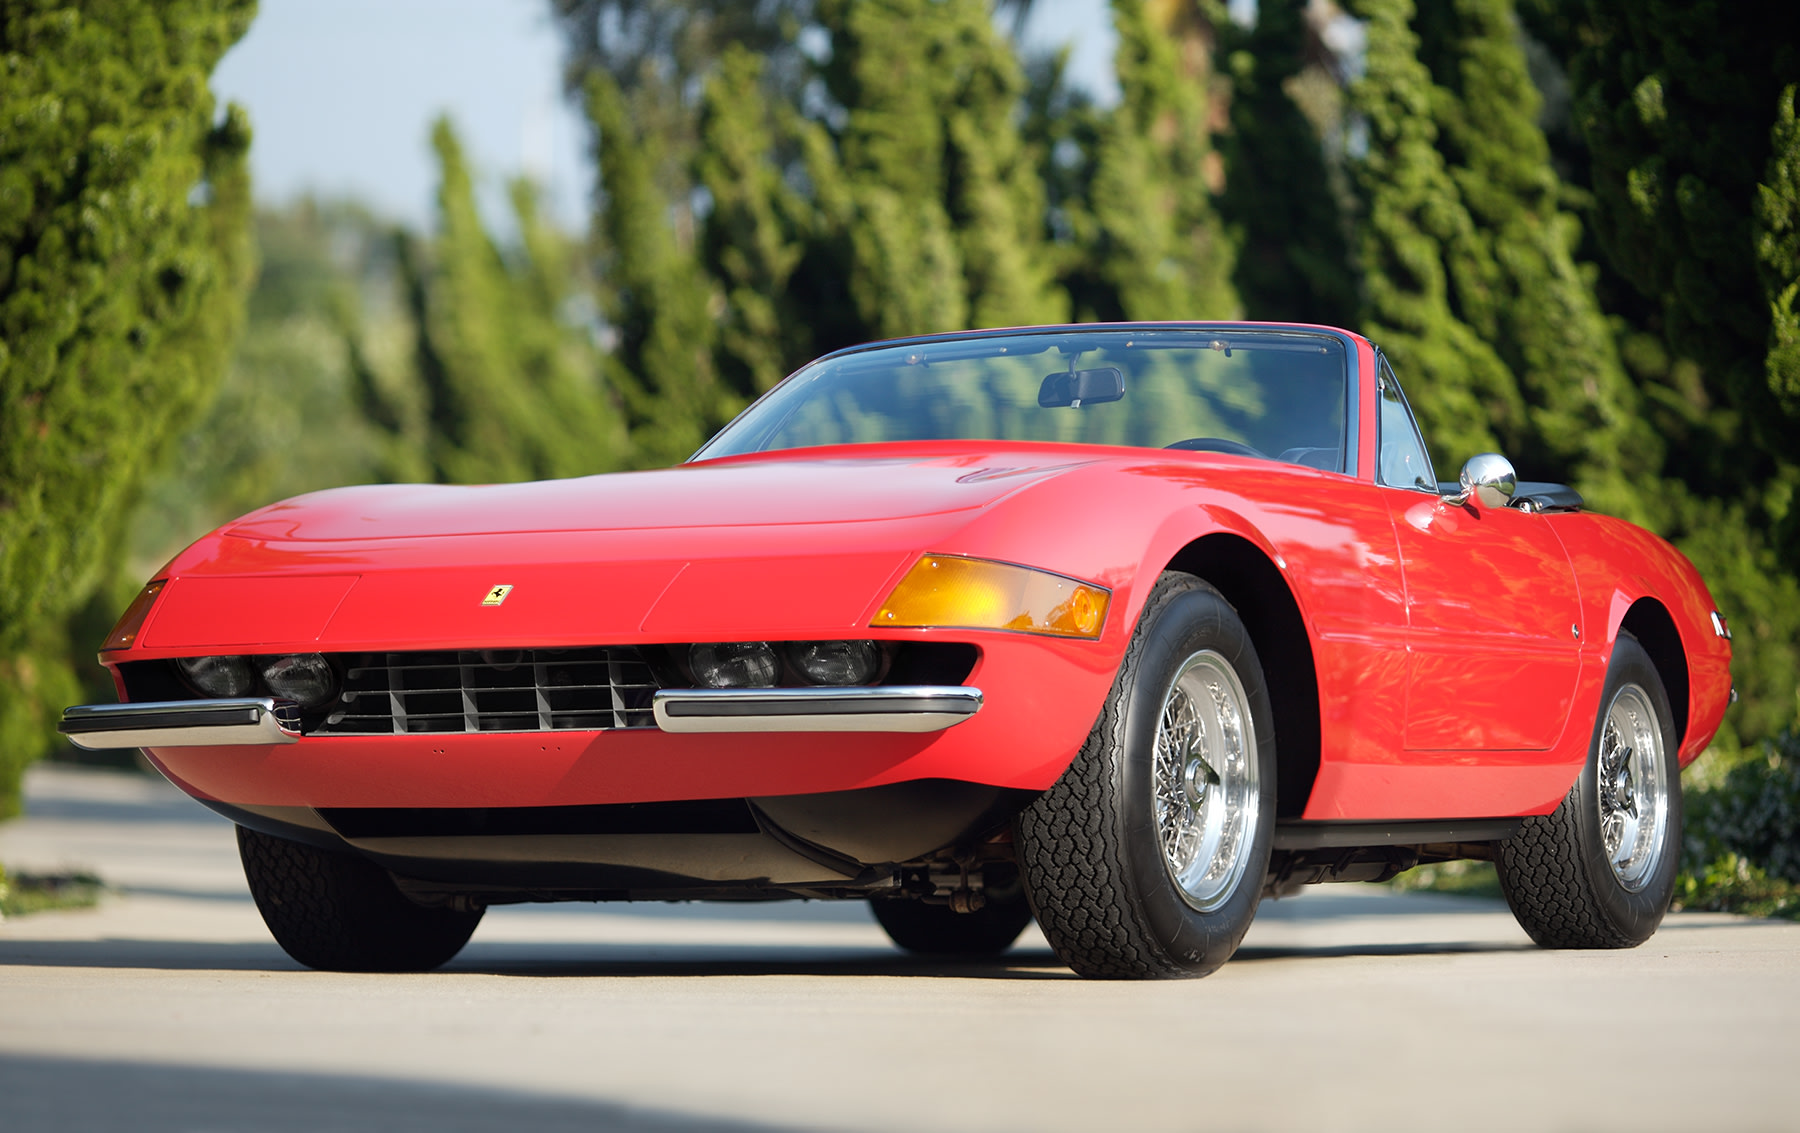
x=939 y=930
x=1556 y=872
x=344 y=914
x=1090 y=850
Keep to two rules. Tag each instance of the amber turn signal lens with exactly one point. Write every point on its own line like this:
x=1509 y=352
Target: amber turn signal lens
x=948 y=590
x=132 y=621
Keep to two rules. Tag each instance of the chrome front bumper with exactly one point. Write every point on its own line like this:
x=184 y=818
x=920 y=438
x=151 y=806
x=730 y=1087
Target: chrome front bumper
x=268 y=720
x=893 y=708
x=182 y=723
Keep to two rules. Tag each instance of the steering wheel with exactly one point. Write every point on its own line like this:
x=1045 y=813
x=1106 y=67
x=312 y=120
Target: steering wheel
x=1218 y=444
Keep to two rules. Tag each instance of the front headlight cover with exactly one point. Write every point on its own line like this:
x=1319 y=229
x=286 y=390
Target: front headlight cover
x=734 y=664
x=965 y=593
x=840 y=663
x=219 y=676
x=303 y=677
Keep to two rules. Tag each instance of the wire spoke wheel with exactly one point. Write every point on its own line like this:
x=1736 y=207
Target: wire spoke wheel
x=1146 y=858
x=1599 y=871
x=1633 y=795
x=1206 y=782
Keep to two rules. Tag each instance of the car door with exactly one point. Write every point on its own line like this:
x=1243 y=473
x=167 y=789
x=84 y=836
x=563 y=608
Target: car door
x=1493 y=614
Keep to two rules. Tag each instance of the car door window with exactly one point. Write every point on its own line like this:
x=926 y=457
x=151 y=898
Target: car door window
x=1403 y=463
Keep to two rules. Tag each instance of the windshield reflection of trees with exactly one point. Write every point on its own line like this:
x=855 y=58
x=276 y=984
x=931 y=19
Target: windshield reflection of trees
x=1290 y=396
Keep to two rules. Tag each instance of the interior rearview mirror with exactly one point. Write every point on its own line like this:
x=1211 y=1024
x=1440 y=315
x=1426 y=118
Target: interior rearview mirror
x=1082 y=387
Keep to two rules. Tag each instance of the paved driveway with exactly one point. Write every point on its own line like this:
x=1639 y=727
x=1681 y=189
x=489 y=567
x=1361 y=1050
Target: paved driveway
x=169 y=1008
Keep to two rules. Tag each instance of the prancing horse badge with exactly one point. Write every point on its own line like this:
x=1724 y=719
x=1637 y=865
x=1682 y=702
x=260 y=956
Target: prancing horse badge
x=496 y=596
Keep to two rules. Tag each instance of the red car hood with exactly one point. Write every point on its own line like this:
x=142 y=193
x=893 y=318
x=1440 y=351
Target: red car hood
x=784 y=545
x=780 y=490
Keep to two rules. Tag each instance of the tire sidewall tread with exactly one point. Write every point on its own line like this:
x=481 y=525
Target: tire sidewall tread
x=338 y=912
x=1554 y=872
x=1089 y=847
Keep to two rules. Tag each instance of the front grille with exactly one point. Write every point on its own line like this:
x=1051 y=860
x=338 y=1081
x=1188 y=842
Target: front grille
x=493 y=690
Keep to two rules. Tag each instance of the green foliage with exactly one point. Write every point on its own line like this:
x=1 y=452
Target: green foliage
x=654 y=292
x=1414 y=218
x=1515 y=279
x=286 y=419
x=512 y=392
x=1674 y=101
x=1469 y=250
x=1689 y=152
x=1459 y=878
x=1158 y=243
x=1778 y=252
x=1293 y=258
x=1741 y=849
x=123 y=260
x=756 y=232
x=910 y=203
x=929 y=190
x=36 y=680
x=22 y=893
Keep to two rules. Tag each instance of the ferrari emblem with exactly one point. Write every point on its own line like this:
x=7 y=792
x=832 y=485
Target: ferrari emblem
x=496 y=596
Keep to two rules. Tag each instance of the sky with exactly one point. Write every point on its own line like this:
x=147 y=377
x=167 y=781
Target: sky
x=342 y=94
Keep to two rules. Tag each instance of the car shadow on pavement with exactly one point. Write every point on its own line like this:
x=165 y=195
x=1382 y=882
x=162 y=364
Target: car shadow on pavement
x=560 y=959
x=626 y=962
x=68 y=1095
x=1254 y=953
x=158 y=955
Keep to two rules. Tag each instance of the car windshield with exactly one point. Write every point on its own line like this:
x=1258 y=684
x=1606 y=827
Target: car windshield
x=1274 y=394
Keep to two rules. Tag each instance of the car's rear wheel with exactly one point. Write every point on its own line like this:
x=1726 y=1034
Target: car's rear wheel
x=343 y=913
x=1146 y=859
x=939 y=930
x=1599 y=871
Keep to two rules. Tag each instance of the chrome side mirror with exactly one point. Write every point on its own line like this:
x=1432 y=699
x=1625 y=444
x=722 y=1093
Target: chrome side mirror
x=1487 y=478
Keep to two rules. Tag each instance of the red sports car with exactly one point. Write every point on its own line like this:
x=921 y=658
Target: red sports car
x=1124 y=627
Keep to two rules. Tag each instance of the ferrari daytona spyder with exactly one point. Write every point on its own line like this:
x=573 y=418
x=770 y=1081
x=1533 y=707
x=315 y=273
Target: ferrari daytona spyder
x=1121 y=627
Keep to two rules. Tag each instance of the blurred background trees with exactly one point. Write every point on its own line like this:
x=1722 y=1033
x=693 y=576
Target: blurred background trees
x=124 y=256
x=1573 y=224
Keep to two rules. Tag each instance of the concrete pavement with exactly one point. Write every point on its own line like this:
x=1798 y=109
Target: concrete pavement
x=169 y=1008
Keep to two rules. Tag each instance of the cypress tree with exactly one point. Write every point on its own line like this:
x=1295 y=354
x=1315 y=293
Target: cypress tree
x=660 y=59
x=1515 y=279
x=511 y=392
x=286 y=419
x=928 y=187
x=124 y=204
x=654 y=292
x=755 y=233
x=996 y=200
x=1159 y=244
x=886 y=71
x=1293 y=259
x=577 y=415
x=1676 y=101
x=1062 y=126
x=1777 y=221
x=1680 y=108
x=1463 y=392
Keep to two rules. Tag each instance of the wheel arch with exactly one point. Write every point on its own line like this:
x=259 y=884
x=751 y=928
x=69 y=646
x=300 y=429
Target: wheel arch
x=1250 y=581
x=1650 y=622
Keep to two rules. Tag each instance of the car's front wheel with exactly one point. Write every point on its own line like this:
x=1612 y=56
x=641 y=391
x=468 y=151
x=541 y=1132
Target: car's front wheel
x=343 y=913
x=1146 y=859
x=1599 y=872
